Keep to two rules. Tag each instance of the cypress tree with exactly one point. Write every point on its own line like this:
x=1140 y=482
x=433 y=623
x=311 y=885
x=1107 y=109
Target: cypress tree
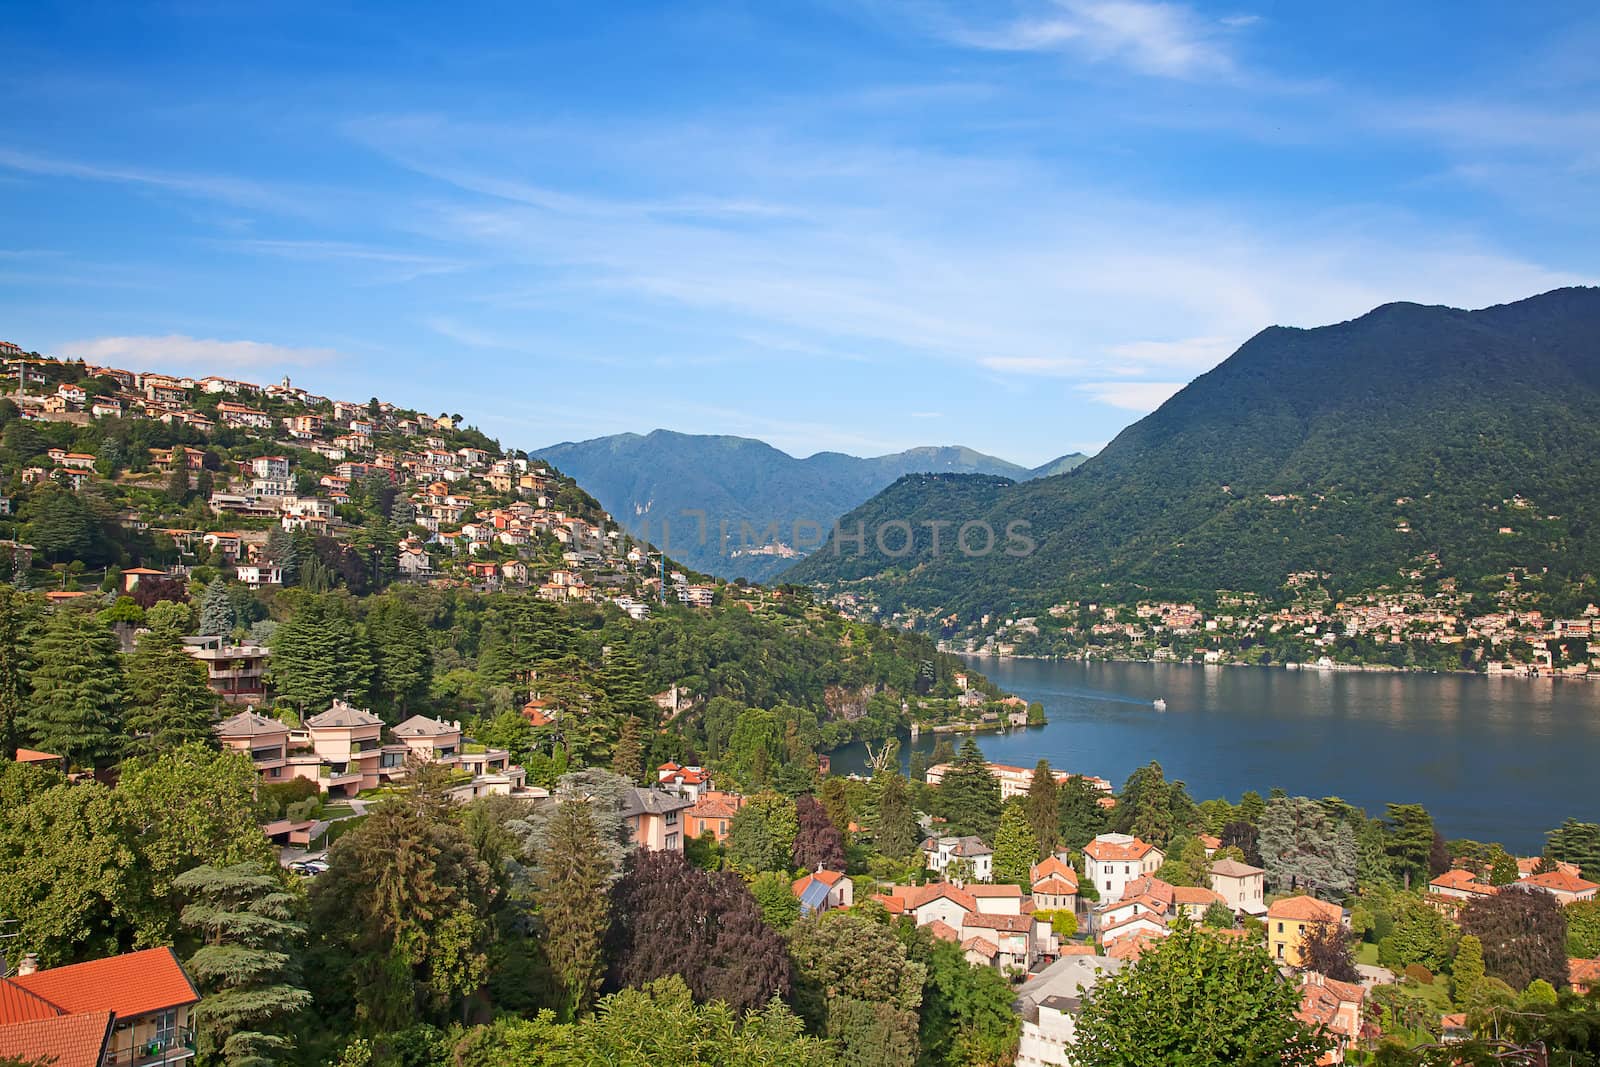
x=1043 y=808
x=627 y=759
x=76 y=706
x=1015 y=849
x=245 y=919
x=571 y=879
x=17 y=613
x=1467 y=971
x=896 y=830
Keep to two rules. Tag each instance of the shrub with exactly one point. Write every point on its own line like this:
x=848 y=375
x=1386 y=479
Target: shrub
x=1419 y=973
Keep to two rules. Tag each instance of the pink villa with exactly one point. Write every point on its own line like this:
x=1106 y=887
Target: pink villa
x=343 y=751
x=236 y=673
x=655 y=819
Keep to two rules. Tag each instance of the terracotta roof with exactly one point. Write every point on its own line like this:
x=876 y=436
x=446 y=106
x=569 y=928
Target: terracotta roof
x=1188 y=894
x=1102 y=850
x=1561 y=881
x=916 y=896
x=995 y=891
x=1011 y=924
x=133 y=983
x=18 y=1005
x=33 y=755
x=982 y=946
x=1210 y=842
x=943 y=930
x=1321 y=998
x=79 y=1040
x=1463 y=881
x=1131 y=948
x=1057 y=887
x=714 y=806
x=1306 y=909
x=1232 y=868
x=1053 y=867
x=1584 y=972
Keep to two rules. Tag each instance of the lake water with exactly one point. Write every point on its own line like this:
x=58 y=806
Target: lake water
x=1495 y=759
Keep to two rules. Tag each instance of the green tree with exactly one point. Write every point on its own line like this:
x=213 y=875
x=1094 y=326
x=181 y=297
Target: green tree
x=627 y=759
x=401 y=915
x=18 y=611
x=571 y=879
x=966 y=1011
x=1044 y=808
x=170 y=702
x=856 y=982
x=1410 y=841
x=779 y=906
x=1467 y=971
x=761 y=836
x=1218 y=916
x=969 y=797
x=402 y=665
x=246 y=922
x=1196 y=999
x=895 y=831
x=318 y=655
x=1420 y=935
x=216 y=610
x=1303 y=848
x=1015 y=850
x=1583 y=929
x=77 y=698
x=1502 y=867
x=1082 y=819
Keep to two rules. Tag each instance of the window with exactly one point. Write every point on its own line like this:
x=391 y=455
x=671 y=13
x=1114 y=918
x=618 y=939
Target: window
x=672 y=841
x=672 y=818
x=166 y=1024
x=1280 y=950
x=1280 y=928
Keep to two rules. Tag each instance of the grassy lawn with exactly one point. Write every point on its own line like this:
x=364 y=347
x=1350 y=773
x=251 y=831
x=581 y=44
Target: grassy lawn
x=336 y=811
x=1367 y=952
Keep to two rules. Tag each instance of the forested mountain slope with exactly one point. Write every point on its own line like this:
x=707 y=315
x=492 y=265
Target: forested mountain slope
x=1412 y=439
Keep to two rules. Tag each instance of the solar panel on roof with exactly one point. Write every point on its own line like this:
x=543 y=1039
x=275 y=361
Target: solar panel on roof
x=814 y=897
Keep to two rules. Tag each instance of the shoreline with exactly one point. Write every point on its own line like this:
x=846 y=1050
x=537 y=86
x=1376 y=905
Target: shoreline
x=1353 y=668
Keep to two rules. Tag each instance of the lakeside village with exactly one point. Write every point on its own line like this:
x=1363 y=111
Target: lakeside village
x=1444 y=629
x=1037 y=893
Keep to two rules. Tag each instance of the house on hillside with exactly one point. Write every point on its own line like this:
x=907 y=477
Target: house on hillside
x=1334 y=1007
x=823 y=890
x=1049 y=1002
x=1111 y=861
x=712 y=814
x=654 y=819
x=1290 y=919
x=972 y=860
x=1241 y=886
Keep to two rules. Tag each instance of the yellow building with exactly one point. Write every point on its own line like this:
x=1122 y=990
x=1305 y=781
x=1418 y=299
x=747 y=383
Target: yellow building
x=1289 y=919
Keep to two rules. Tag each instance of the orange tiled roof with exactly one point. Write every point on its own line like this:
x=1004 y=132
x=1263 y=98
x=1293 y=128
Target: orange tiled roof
x=1011 y=924
x=77 y=1040
x=1561 y=881
x=1053 y=867
x=133 y=983
x=1131 y=948
x=1103 y=851
x=994 y=890
x=1055 y=887
x=981 y=945
x=1463 y=881
x=1584 y=972
x=943 y=931
x=1306 y=909
x=18 y=1005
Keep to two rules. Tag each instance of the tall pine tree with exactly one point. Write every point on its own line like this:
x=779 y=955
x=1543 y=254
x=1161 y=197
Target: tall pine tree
x=969 y=796
x=1043 y=806
x=1015 y=849
x=17 y=614
x=77 y=690
x=319 y=655
x=170 y=703
x=216 y=610
x=896 y=830
x=571 y=877
x=245 y=920
x=401 y=660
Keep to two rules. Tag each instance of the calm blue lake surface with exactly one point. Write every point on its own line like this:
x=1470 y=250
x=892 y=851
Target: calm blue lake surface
x=1496 y=759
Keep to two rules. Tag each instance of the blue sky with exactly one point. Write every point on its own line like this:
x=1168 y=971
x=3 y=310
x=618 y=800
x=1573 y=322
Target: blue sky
x=857 y=226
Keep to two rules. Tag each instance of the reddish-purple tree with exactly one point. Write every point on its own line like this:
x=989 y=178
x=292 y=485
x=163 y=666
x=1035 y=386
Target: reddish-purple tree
x=1524 y=935
x=1326 y=950
x=668 y=917
x=817 y=842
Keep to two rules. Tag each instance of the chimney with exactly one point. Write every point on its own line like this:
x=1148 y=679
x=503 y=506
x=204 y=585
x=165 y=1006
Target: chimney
x=29 y=964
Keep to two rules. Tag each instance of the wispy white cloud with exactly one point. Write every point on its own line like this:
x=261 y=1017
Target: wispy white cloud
x=1167 y=40
x=221 y=188
x=177 y=351
x=1130 y=396
x=390 y=265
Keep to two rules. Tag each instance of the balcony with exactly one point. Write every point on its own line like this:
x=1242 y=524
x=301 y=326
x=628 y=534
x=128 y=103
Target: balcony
x=175 y=1049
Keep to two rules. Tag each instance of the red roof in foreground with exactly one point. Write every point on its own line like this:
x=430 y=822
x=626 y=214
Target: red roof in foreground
x=17 y=1005
x=134 y=983
x=62 y=1041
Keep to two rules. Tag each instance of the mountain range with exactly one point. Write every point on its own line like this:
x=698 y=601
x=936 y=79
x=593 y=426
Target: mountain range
x=748 y=485
x=1412 y=444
